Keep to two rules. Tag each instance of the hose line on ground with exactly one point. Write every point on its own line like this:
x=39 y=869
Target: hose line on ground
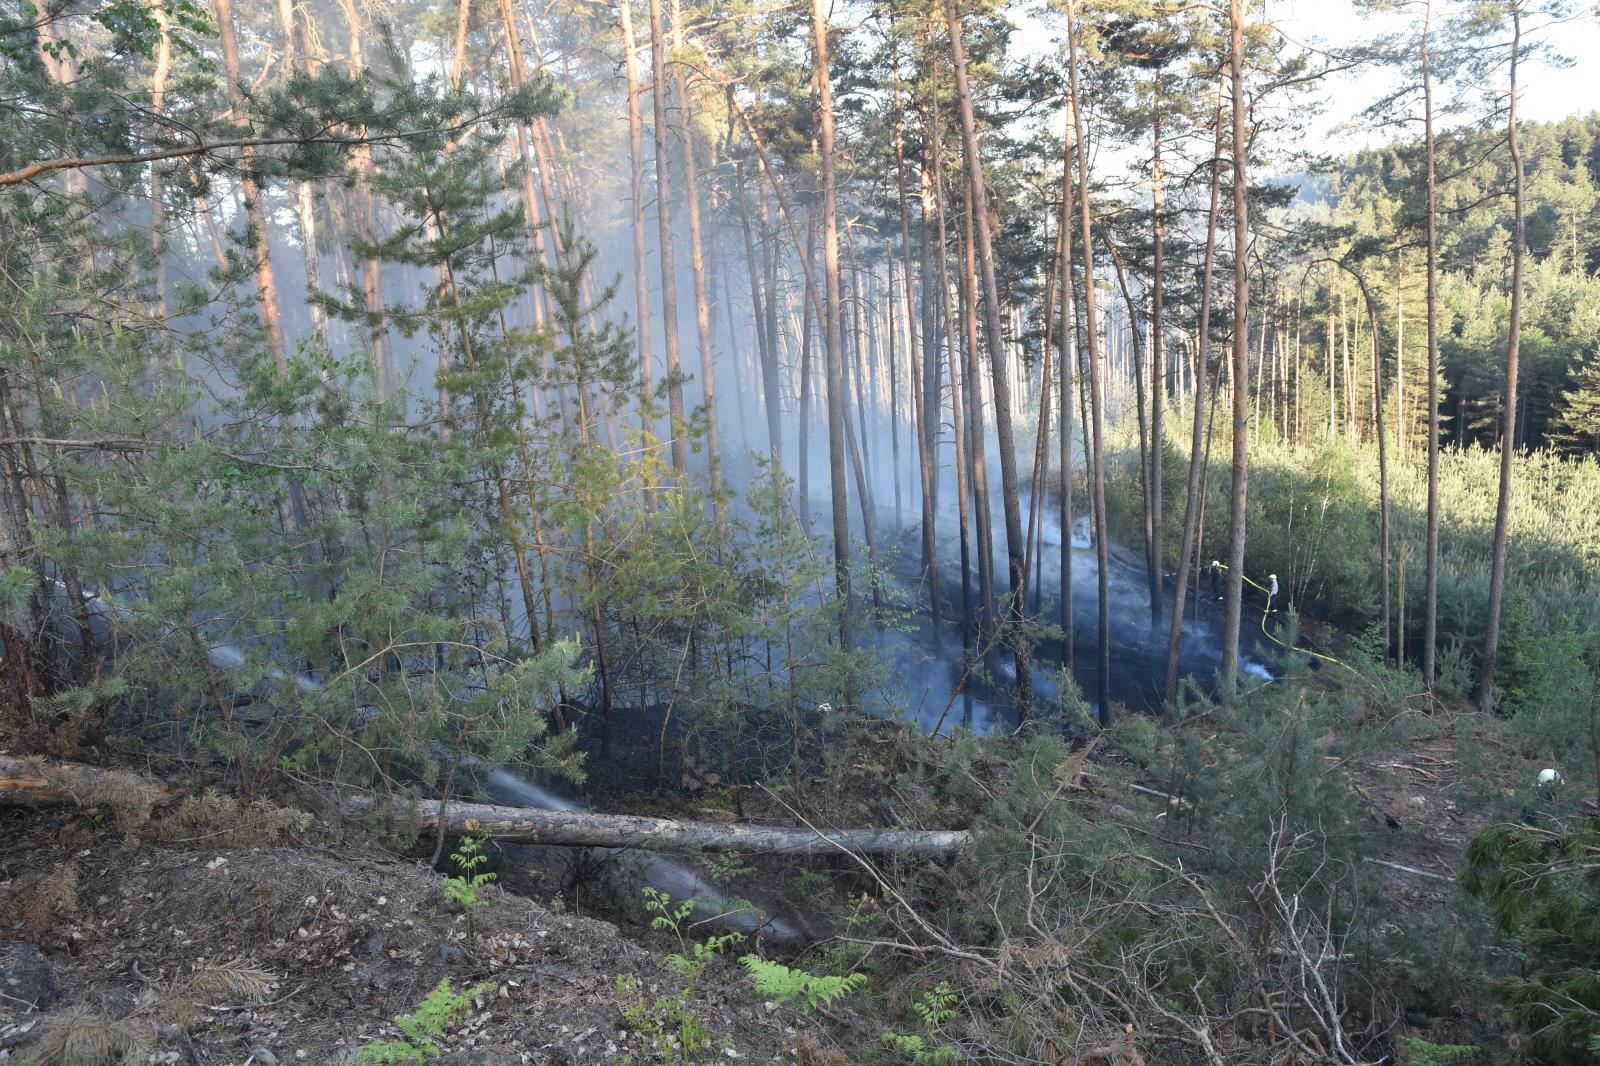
x=1268 y=634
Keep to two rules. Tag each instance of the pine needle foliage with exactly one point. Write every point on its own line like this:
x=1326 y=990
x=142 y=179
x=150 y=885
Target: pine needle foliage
x=1542 y=886
x=80 y=1036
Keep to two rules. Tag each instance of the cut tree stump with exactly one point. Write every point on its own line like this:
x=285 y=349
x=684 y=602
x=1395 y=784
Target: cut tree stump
x=29 y=782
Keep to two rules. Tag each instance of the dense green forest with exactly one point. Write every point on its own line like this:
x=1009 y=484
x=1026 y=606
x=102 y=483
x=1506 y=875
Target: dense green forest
x=973 y=531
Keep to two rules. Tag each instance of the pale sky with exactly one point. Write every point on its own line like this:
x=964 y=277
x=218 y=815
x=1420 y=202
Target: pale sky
x=1548 y=91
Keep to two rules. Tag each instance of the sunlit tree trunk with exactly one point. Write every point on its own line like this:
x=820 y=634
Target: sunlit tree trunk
x=1233 y=596
x=1016 y=551
x=932 y=273
x=1383 y=470
x=1430 y=606
x=158 y=196
x=1096 y=400
x=697 y=263
x=1068 y=341
x=304 y=204
x=765 y=343
x=677 y=429
x=1508 y=432
x=919 y=410
x=832 y=305
x=1157 y=373
x=807 y=320
x=977 y=457
x=641 y=265
x=1195 y=491
x=366 y=227
x=960 y=420
x=892 y=336
x=255 y=215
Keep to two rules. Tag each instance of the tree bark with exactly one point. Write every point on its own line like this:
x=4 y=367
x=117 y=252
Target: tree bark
x=158 y=196
x=1508 y=433
x=304 y=205
x=255 y=215
x=1096 y=402
x=1233 y=597
x=366 y=228
x=832 y=333
x=765 y=342
x=641 y=264
x=1016 y=549
x=1195 y=494
x=677 y=429
x=697 y=263
x=47 y=782
x=1069 y=358
x=1157 y=374
x=1430 y=606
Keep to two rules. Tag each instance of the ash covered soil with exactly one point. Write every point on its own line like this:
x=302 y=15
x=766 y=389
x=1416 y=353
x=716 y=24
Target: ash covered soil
x=219 y=954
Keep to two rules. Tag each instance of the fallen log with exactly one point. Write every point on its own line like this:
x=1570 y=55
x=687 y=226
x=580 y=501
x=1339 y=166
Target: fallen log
x=531 y=825
x=31 y=782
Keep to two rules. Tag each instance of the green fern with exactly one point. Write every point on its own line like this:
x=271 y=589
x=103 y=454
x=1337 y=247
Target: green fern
x=421 y=1031
x=935 y=1007
x=463 y=888
x=791 y=987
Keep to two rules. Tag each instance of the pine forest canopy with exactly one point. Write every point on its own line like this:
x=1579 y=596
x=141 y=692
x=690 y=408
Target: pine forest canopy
x=662 y=391
x=358 y=340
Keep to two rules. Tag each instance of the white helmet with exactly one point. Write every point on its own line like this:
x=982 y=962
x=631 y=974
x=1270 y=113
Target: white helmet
x=1550 y=776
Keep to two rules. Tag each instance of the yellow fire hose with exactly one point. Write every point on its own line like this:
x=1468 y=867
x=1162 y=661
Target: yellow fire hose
x=1268 y=634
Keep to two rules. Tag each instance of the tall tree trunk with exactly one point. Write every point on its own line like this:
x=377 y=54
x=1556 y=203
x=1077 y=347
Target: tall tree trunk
x=1508 y=433
x=697 y=262
x=1234 y=591
x=766 y=344
x=1383 y=469
x=255 y=214
x=1096 y=400
x=807 y=320
x=931 y=361
x=892 y=335
x=1430 y=607
x=831 y=327
x=158 y=196
x=304 y=203
x=1068 y=341
x=677 y=428
x=1016 y=551
x=977 y=456
x=1152 y=573
x=964 y=469
x=366 y=228
x=1195 y=492
x=1157 y=375
x=641 y=265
